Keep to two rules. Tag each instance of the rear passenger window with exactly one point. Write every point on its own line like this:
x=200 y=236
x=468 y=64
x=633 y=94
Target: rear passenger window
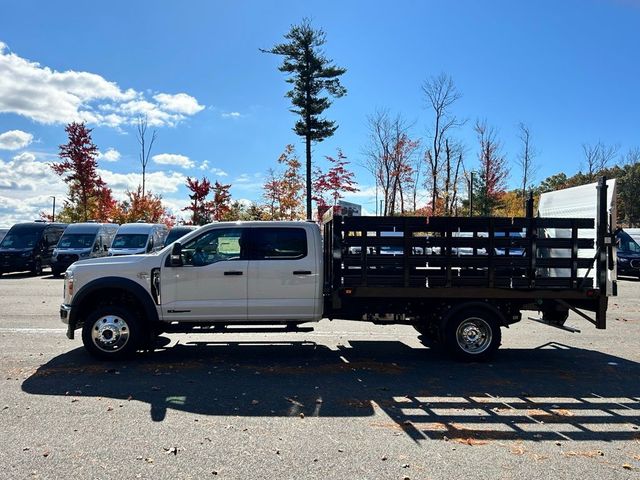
x=279 y=243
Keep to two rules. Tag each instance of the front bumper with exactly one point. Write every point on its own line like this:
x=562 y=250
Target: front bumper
x=65 y=317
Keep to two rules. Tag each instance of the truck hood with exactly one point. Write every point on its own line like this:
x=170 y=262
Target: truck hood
x=109 y=265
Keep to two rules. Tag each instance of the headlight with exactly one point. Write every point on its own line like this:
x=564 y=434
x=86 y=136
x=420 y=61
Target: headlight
x=25 y=254
x=623 y=260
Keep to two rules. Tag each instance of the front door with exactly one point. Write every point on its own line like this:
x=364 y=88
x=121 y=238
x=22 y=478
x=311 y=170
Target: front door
x=211 y=285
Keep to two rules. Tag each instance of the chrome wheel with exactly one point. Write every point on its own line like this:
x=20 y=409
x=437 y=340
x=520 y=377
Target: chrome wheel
x=474 y=335
x=110 y=333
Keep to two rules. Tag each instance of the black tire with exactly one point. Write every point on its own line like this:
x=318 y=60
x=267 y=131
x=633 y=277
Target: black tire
x=472 y=335
x=37 y=268
x=112 y=333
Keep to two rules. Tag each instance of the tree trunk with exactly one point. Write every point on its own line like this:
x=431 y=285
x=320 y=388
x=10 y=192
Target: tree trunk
x=308 y=142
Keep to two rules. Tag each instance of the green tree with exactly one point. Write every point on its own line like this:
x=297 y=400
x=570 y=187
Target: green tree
x=312 y=75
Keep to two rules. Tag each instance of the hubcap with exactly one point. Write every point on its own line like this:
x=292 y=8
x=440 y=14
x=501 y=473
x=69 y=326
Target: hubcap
x=474 y=335
x=110 y=333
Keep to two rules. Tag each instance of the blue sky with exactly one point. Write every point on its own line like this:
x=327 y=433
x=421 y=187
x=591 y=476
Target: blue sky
x=569 y=69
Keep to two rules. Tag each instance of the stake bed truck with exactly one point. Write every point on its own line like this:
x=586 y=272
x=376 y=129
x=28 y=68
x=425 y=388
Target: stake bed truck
x=457 y=280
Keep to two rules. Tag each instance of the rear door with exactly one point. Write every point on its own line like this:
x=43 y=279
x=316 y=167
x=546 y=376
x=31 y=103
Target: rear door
x=283 y=274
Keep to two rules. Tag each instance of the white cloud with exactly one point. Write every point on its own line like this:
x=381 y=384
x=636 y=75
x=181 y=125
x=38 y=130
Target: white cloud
x=179 y=103
x=156 y=182
x=26 y=185
x=173 y=159
x=234 y=115
x=217 y=172
x=15 y=139
x=111 y=155
x=48 y=96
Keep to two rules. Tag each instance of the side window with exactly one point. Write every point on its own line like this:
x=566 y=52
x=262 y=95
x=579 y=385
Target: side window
x=218 y=245
x=279 y=243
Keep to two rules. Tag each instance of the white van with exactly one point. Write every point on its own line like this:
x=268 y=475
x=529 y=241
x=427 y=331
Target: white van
x=81 y=241
x=137 y=238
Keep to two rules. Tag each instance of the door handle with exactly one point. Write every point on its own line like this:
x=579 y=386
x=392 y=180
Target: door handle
x=302 y=272
x=233 y=272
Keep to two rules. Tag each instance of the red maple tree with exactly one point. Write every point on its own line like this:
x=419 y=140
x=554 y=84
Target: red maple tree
x=79 y=170
x=328 y=188
x=198 y=206
x=220 y=206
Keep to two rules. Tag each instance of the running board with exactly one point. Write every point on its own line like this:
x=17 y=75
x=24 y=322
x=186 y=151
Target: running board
x=236 y=329
x=561 y=327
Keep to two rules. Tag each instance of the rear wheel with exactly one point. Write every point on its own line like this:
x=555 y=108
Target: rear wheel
x=112 y=333
x=473 y=335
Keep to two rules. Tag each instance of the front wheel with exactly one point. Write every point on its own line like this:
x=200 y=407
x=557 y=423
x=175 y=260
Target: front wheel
x=37 y=268
x=472 y=335
x=112 y=333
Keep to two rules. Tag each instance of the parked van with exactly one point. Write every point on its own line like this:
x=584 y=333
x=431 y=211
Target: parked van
x=81 y=241
x=178 y=232
x=136 y=238
x=29 y=246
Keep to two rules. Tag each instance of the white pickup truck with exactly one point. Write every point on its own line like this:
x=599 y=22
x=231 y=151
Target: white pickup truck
x=225 y=275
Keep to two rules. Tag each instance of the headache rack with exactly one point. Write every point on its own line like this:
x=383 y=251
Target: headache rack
x=471 y=258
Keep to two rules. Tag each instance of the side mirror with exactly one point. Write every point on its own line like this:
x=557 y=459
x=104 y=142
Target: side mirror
x=106 y=248
x=175 y=260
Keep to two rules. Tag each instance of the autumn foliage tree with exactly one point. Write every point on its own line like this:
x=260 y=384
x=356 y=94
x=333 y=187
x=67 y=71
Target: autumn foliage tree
x=390 y=158
x=200 y=190
x=491 y=182
x=219 y=208
x=88 y=197
x=284 y=190
x=329 y=187
x=137 y=207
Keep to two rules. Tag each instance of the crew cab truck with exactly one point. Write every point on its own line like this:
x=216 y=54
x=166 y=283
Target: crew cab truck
x=255 y=273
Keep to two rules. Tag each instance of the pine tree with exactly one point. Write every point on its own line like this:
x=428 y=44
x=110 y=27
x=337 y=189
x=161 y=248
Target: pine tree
x=311 y=74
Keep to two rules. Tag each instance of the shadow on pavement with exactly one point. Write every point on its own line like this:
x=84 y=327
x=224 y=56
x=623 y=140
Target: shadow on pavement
x=553 y=392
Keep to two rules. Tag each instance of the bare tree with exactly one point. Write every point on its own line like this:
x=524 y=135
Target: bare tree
x=453 y=162
x=597 y=157
x=389 y=158
x=145 y=149
x=440 y=94
x=632 y=156
x=526 y=161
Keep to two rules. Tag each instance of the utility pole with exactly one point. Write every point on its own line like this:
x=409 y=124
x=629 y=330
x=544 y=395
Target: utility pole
x=53 y=213
x=471 y=196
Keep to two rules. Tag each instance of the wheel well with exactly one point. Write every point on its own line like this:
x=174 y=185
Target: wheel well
x=109 y=296
x=500 y=312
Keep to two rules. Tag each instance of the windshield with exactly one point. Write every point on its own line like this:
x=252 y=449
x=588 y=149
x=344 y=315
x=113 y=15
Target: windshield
x=175 y=234
x=130 y=240
x=77 y=240
x=17 y=240
x=626 y=244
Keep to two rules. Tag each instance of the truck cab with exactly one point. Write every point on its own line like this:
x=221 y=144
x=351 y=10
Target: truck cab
x=221 y=274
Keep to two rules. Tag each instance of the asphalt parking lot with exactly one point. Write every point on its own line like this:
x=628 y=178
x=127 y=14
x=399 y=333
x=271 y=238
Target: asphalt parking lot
x=347 y=400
